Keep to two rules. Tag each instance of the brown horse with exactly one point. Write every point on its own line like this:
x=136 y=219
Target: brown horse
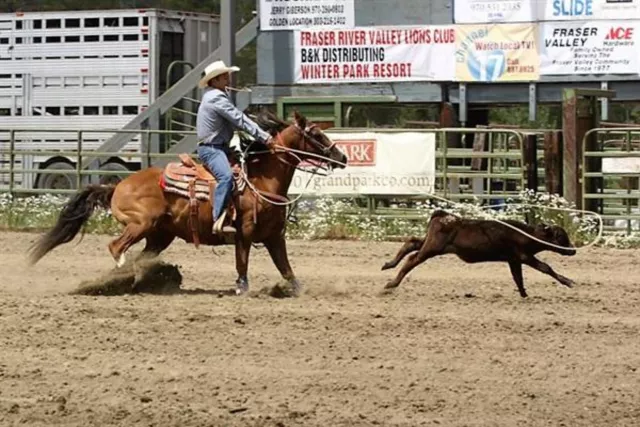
x=148 y=212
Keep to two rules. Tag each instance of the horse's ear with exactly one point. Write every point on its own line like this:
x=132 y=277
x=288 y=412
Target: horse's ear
x=301 y=120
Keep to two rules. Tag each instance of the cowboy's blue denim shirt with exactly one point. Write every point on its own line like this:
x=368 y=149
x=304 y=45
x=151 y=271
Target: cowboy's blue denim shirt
x=217 y=118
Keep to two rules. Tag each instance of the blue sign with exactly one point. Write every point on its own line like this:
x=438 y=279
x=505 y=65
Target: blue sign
x=486 y=65
x=572 y=7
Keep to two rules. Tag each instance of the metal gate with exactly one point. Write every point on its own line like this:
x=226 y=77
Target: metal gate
x=611 y=174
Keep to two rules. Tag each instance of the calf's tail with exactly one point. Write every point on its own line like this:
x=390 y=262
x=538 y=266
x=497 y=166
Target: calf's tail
x=75 y=213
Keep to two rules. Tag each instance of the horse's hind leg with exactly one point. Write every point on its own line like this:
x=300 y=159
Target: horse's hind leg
x=411 y=245
x=157 y=241
x=131 y=235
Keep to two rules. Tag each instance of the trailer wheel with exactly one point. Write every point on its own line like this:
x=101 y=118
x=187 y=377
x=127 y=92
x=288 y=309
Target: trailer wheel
x=113 y=179
x=55 y=181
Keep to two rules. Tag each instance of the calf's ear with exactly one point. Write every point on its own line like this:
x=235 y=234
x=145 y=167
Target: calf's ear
x=543 y=229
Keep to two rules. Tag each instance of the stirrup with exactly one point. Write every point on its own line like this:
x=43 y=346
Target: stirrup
x=217 y=226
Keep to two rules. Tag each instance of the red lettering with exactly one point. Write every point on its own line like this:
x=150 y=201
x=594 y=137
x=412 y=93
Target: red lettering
x=392 y=70
x=320 y=71
x=620 y=33
x=385 y=37
x=357 y=71
x=447 y=35
x=359 y=152
x=305 y=38
x=352 y=38
x=321 y=38
x=418 y=36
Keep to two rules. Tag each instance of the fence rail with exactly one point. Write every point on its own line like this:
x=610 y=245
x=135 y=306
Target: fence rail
x=492 y=168
x=611 y=175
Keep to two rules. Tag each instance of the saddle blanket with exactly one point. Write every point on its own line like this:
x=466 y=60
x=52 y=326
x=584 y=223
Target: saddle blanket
x=176 y=179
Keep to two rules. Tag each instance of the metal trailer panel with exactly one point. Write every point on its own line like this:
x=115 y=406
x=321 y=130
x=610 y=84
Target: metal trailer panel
x=94 y=59
x=90 y=70
x=65 y=140
x=200 y=39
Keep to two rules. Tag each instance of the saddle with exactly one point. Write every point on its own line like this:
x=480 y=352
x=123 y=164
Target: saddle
x=194 y=181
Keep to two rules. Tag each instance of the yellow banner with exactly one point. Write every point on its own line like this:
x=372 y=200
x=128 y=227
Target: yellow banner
x=496 y=53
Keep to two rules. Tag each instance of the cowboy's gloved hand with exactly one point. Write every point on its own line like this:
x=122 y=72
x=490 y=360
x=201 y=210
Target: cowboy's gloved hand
x=271 y=144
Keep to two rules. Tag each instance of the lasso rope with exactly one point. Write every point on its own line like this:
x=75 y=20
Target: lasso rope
x=294 y=153
x=488 y=217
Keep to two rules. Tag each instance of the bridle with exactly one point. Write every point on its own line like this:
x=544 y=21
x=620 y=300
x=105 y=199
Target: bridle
x=280 y=148
x=307 y=137
x=322 y=160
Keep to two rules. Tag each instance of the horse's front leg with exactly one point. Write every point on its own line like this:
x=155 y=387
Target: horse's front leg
x=277 y=248
x=243 y=246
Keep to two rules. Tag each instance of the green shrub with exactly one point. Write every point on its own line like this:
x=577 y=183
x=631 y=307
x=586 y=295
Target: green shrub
x=327 y=218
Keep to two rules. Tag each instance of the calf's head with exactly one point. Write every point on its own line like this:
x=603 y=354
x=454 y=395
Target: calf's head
x=556 y=235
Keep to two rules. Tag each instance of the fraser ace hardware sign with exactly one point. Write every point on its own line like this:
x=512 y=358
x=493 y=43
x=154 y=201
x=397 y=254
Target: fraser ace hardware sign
x=598 y=47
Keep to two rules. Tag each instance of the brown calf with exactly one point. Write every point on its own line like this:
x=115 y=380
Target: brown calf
x=483 y=241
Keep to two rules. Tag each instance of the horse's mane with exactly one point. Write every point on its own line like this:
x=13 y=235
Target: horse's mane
x=268 y=122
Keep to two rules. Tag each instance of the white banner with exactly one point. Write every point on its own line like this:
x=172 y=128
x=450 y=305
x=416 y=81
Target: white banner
x=375 y=54
x=621 y=165
x=487 y=11
x=298 y=14
x=401 y=163
x=583 y=10
x=603 y=47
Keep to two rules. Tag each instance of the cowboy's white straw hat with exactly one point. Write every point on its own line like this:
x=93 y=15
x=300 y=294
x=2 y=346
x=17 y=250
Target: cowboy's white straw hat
x=214 y=70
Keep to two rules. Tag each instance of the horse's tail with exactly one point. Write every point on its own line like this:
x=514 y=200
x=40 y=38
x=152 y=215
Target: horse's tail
x=73 y=216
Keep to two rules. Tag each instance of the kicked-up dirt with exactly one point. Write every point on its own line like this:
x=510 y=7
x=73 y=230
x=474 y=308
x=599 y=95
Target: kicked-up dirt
x=454 y=345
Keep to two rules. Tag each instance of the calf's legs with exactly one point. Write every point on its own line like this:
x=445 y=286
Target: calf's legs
x=533 y=262
x=411 y=245
x=542 y=267
x=430 y=248
x=516 y=272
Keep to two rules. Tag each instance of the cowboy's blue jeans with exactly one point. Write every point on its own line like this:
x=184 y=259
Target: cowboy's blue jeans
x=215 y=157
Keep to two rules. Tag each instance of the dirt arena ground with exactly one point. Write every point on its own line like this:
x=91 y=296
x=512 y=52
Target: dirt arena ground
x=454 y=346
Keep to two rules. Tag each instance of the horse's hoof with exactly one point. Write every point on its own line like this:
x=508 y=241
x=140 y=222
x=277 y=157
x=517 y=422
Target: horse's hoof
x=121 y=261
x=296 y=288
x=242 y=287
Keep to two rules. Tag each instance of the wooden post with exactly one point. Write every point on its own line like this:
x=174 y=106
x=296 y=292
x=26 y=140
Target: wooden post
x=530 y=161
x=570 y=148
x=579 y=115
x=448 y=119
x=553 y=162
x=479 y=146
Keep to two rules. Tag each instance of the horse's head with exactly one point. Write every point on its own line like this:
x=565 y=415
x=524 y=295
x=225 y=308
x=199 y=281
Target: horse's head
x=306 y=137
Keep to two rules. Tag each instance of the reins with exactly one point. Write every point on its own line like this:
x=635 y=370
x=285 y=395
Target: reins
x=281 y=148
